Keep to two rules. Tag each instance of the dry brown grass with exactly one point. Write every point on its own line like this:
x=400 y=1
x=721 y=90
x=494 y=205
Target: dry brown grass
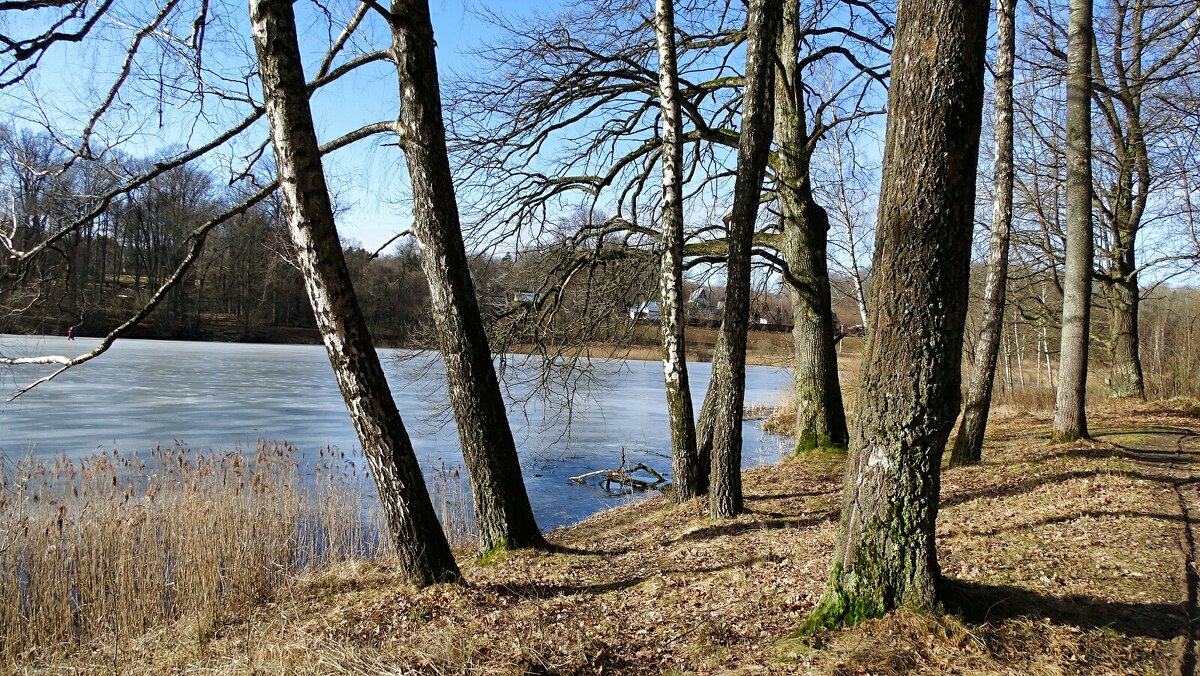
x=762 y=348
x=1058 y=559
x=103 y=550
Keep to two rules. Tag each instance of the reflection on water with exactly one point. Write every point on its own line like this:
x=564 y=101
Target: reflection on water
x=223 y=395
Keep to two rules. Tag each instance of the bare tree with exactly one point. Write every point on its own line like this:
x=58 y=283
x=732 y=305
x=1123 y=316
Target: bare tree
x=1144 y=57
x=1141 y=48
x=422 y=548
x=686 y=468
x=505 y=518
x=820 y=414
x=1070 y=414
x=968 y=445
x=729 y=358
x=909 y=394
x=539 y=148
x=844 y=188
x=503 y=514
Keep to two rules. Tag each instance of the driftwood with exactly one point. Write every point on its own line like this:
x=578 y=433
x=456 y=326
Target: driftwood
x=624 y=478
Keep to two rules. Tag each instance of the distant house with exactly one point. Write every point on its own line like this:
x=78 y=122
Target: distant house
x=699 y=298
x=649 y=311
x=526 y=297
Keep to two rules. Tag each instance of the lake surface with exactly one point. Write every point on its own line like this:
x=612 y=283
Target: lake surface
x=145 y=393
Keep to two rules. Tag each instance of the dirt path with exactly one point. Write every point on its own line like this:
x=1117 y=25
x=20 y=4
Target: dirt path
x=1174 y=451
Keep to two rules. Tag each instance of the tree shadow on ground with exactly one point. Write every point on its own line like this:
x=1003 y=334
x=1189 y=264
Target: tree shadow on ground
x=542 y=590
x=1173 y=430
x=1068 y=518
x=1028 y=485
x=575 y=551
x=791 y=496
x=774 y=522
x=990 y=604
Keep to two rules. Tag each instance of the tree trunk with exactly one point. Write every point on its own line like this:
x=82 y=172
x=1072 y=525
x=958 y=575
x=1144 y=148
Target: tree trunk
x=729 y=359
x=420 y=544
x=847 y=212
x=885 y=555
x=968 y=445
x=1070 y=416
x=820 y=414
x=503 y=514
x=1121 y=96
x=687 y=479
x=1125 y=373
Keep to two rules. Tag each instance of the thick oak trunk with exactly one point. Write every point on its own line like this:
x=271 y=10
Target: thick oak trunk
x=968 y=445
x=688 y=479
x=1070 y=416
x=420 y=544
x=909 y=394
x=1125 y=372
x=729 y=358
x=820 y=414
x=503 y=514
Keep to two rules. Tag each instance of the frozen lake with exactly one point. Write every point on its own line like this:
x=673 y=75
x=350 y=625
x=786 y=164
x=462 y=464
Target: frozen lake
x=144 y=393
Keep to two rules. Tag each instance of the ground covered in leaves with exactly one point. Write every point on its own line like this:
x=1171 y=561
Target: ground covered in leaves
x=1058 y=559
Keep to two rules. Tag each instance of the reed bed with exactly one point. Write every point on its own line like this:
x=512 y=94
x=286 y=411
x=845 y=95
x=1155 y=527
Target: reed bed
x=109 y=547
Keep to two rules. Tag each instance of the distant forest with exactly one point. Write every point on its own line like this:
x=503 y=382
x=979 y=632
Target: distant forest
x=246 y=287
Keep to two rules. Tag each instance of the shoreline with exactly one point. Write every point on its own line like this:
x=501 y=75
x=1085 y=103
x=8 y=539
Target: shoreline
x=1054 y=557
x=639 y=351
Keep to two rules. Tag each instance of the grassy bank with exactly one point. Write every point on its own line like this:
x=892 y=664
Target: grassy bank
x=1058 y=559
x=643 y=343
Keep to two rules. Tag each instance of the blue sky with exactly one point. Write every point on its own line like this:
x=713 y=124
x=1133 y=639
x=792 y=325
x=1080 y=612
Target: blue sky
x=369 y=179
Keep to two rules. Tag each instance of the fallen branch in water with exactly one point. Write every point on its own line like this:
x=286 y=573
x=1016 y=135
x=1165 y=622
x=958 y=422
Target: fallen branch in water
x=624 y=477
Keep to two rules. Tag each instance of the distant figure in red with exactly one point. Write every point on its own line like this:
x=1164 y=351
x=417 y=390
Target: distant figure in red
x=70 y=333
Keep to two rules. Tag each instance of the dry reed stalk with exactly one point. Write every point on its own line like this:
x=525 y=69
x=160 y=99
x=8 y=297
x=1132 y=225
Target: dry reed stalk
x=109 y=547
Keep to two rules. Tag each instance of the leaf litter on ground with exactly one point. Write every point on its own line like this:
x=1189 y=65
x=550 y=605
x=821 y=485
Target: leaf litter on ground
x=1058 y=559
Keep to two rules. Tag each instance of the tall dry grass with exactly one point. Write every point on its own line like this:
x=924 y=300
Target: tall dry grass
x=106 y=548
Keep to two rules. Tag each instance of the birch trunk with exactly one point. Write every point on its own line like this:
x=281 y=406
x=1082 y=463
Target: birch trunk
x=687 y=480
x=968 y=445
x=847 y=214
x=820 y=414
x=729 y=358
x=420 y=544
x=885 y=555
x=1070 y=415
x=503 y=514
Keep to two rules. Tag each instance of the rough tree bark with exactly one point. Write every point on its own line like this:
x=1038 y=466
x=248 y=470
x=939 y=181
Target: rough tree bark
x=503 y=514
x=885 y=555
x=687 y=480
x=968 y=445
x=1142 y=53
x=1127 y=205
x=1125 y=377
x=420 y=544
x=729 y=357
x=820 y=413
x=1070 y=416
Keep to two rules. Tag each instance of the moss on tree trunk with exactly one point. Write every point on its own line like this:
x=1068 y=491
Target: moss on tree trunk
x=886 y=555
